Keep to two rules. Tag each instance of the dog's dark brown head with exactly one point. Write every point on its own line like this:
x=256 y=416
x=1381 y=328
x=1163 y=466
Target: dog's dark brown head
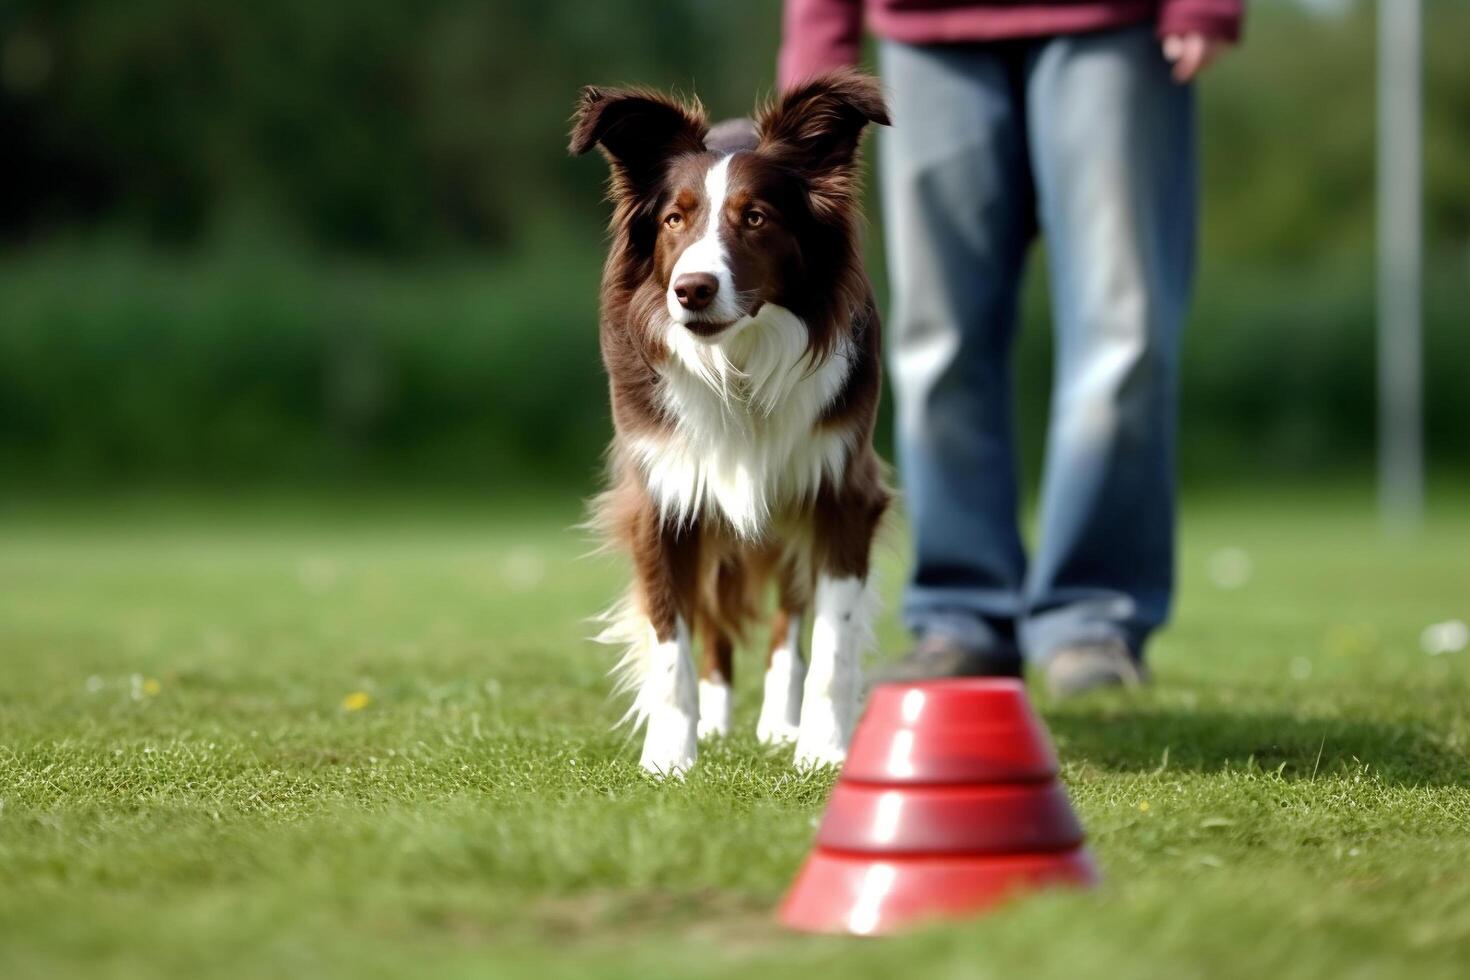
x=709 y=230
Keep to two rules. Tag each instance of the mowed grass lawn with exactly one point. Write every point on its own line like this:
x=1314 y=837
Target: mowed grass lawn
x=370 y=740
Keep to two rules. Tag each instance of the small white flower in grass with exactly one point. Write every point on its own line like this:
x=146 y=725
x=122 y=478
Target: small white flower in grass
x=1450 y=636
x=1230 y=568
x=94 y=684
x=1301 y=668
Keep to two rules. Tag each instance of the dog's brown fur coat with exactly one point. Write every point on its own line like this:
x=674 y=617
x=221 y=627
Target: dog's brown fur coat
x=802 y=254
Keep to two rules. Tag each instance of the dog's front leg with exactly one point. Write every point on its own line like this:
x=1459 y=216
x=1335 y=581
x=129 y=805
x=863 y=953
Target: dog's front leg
x=666 y=560
x=780 y=717
x=829 y=702
x=670 y=702
x=842 y=624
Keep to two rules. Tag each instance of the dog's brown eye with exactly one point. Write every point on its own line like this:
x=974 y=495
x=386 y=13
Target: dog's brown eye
x=673 y=220
x=753 y=218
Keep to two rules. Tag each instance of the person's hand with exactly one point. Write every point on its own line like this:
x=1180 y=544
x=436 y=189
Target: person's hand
x=1192 y=53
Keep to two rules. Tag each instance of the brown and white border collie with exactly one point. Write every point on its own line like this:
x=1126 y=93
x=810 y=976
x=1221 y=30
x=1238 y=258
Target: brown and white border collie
x=742 y=346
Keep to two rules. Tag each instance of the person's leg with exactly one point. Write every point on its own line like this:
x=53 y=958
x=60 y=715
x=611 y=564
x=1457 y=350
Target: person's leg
x=1112 y=143
x=958 y=208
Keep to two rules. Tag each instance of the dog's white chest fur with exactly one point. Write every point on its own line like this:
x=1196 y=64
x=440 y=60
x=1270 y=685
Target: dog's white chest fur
x=744 y=441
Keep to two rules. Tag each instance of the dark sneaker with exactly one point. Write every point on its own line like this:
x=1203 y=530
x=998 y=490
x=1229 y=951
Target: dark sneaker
x=936 y=656
x=1083 y=667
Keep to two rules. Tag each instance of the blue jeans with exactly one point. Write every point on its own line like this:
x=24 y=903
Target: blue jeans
x=1086 y=139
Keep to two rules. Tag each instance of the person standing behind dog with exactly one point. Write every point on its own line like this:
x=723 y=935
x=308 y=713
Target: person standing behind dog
x=1074 y=118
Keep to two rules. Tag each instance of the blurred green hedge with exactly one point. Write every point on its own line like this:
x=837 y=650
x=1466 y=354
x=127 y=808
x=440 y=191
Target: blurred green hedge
x=231 y=367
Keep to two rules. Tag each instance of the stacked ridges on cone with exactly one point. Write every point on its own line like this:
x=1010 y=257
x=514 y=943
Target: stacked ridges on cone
x=948 y=803
x=1013 y=818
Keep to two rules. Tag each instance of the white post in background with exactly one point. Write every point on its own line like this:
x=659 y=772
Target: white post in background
x=1400 y=258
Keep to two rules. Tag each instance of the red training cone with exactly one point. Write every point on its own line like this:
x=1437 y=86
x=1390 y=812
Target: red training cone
x=949 y=802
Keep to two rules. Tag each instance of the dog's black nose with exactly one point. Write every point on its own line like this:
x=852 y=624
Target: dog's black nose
x=696 y=290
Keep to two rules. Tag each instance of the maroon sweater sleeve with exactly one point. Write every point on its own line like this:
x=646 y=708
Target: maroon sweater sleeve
x=818 y=35
x=1212 y=18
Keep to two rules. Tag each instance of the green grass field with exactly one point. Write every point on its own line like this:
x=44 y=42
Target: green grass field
x=370 y=740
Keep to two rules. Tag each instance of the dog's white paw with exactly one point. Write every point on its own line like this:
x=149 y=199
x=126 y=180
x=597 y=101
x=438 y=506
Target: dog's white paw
x=780 y=718
x=670 y=745
x=775 y=732
x=830 y=697
x=817 y=756
x=714 y=708
x=822 y=738
x=669 y=702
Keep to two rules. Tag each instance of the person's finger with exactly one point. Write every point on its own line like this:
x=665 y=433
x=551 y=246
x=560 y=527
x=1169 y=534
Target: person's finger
x=1173 y=47
x=1191 y=56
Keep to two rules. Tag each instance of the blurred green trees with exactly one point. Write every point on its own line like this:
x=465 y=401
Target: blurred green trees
x=375 y=126
x=315 y=240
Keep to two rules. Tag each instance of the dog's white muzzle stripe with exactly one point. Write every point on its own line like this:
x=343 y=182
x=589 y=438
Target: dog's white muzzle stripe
x=708 y=254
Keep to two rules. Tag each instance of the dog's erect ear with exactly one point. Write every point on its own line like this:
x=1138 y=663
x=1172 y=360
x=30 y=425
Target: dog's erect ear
x=637 y=129
x=818 y=125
